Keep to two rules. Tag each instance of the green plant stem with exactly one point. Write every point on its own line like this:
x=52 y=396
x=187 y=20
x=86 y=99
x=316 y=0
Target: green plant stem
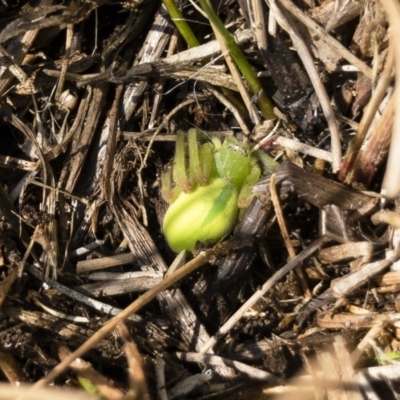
x=180 y=23
x=264 y=102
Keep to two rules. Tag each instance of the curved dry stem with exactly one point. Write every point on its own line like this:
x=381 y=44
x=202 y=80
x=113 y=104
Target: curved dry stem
x=319 y=88
x=391 y=181
x=191 y=266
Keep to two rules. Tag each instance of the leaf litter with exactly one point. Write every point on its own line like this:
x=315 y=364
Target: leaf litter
x=302 y=298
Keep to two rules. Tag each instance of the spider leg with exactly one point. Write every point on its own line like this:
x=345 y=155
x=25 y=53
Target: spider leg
x=169 y=193
x=179 y=172
x=200 y=160
x=207 y=160
x=246 y=192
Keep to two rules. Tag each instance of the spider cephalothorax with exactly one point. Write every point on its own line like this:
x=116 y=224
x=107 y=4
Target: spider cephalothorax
x=212 y=181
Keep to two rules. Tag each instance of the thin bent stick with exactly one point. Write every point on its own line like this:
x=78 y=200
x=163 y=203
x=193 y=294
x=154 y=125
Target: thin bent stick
x=330 y=40
x=285 y=235
x=260 y=293
x=391 y=181
x=191 y=266
x=319 y=88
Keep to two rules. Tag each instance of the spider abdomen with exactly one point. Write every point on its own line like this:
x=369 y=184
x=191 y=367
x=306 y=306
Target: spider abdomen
x=204 y=215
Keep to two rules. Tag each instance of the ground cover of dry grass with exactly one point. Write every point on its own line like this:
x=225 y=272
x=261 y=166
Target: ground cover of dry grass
x=93 y=94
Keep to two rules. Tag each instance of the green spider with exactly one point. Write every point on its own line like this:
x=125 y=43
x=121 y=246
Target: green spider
x=211 y=183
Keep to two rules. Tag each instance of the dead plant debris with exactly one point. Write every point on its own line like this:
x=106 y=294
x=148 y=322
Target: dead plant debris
x=302 y=299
